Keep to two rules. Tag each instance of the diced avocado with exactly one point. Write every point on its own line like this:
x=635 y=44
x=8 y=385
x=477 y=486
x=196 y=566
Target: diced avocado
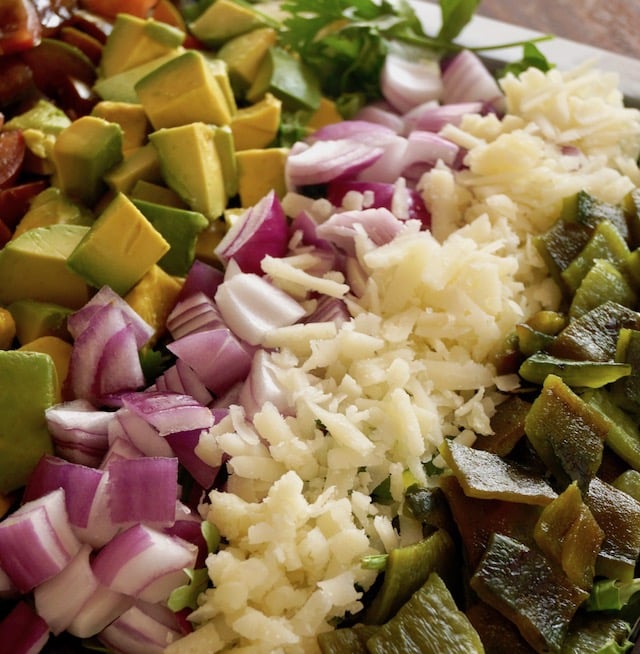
x=223 y=20
x=43 y=116
x=83 y=153
x=134 y=41
x=220 y=72
x=121 y=87
x=244 y=55
x=180 y=228
x=34 y=266
x=7 y=329
x=223 y=139
x=131 y=118
x=256 y=126
x=35 y=319
x=326 y=114
x=53 y=207
x=119 y=249
x=192 y=166
x=259 y=171
x=143 y=163
x=60 y=353
x=287 y=78
x=184 y=90
x=153 y=298
x=28 y=384
x=150 y=192
x=208 y=241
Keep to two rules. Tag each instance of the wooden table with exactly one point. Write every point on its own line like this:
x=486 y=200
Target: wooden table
x=610 y=24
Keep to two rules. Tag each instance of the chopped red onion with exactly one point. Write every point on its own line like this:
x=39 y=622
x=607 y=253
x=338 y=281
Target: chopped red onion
x=381 y=113
x=252 y=307
x=363 y=131
x=180 y=378
x=326 y=160
x=329 y=309
x=184 y=445
x=100 y=610
x=79 y=483
x=465 y=78
x=78 y=321
x=7 y=587
x=169 y=412
x=37 y=541
x=23 y=631
x=143 y=490
x=262 y=386
x=79 y=431
x=100 y=528
x=144 y=563
x=380 y=225
x=389 y=166
x=195 y=313
x=120 y=448
x=216 y=356
x=201 y=278
x=119 y=367
x=138 y=631
x=406 y=83
x=261 y=230
x=59 y=599
x=140 y=433
x=433 y=117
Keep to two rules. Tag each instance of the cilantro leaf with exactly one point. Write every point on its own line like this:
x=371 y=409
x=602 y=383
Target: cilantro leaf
x=455 y=16
x=532 y=57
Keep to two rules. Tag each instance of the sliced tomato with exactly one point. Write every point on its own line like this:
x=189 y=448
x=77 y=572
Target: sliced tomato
x=5 y=234
x=166 y=12
x=15 y=201
x=19 y=26
x=86 y=43
x=111 y=8
x=12 y=151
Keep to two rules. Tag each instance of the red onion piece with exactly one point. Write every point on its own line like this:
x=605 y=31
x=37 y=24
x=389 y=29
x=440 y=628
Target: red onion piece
x=36 y=541
x=100 y=610
x=261 y=230
x=100 y=528
x=7 y=587
x=195 y=313
x=329 y=309
x=262 y=386
x=79 y=483
x=23 y=631
x=389 y=166
x=169 y=412
x=139 y=631
x=432 y=118
x=201 y=278
x=120 y=448
x=380 y=225
x=144 y=563
x=365 y=131
x=216 y=356
x=180 y=378
x=79 y=320
x=252 y=306
x=79 y=431
x=425 y=149
x=60 y=599
x=139 y=433
x=465 y=78
x=184 y=445
x=407 y=83
x=188 y=527
x=326 y=160
x=143 y=490
x=382 y=113
x=119 y=367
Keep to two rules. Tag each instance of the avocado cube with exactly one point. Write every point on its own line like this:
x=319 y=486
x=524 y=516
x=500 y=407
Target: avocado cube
x=131 y=118
x=134 y=41
x=184 y=90
x=143 y=163
x=180 y=228
x=260 y=171
x=256 y=126
x=43 y=116
x=193 y=167
x=224 y=19
x=83 y=153
x=28 y=383
x=158 y=193
x=35 y=319
x=119 y=249
x=34 y=266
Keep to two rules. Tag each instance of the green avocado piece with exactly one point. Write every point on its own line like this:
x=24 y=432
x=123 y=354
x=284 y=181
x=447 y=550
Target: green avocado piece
x=44 y=116
x=193 y=166
x=224 y=19
x=185 y=90
x=34 y=266
x=121 y=86
x=35 y=319
x=180 y=228
x=289 y=79
x=83 y=153
x=28 y=383
x=143 y=163
x=120 y=247
x=134 y=41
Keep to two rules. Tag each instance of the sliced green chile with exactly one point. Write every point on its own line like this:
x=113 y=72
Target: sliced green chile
x=429 y=623
x=507 y=424
x=629 y=483
x=594 y=633
x=521 y=583
x=566 y=432
x=349 y=640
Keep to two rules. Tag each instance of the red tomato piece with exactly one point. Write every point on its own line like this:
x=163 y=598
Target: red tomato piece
x=12 y=151
x=15 y=200
x=19 y=26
